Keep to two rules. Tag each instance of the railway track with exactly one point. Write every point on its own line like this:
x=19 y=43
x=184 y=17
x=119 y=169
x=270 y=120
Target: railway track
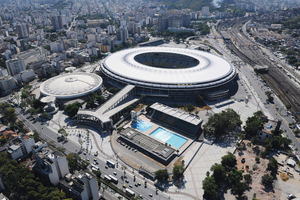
x=276 y=79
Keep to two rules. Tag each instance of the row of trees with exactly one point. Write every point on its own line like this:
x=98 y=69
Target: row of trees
x=163 y=174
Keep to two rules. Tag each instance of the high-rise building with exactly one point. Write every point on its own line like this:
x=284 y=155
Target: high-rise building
x=132 y=28
x=175 y=21
x=15 y=66
x=20 y=147
x=80 y=185
x=57 y=22
x=7 y=83
x=205 y=11
x=149 y=20
x=111 y=29
x=162 y=24
x=23 y=31
x=51 y=165
x=138 y=17
x=193 y=15
x=56 y=47
x=139 y=29
x=122 y=34
x=186 y=20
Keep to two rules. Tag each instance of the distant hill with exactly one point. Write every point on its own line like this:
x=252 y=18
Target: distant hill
x=194 y=4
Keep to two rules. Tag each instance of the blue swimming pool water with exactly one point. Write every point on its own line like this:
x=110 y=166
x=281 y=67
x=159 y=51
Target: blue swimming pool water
x=142 y=125
x=169 y=137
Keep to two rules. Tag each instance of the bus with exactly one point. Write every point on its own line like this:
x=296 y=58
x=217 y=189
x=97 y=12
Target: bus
x=113 y=179
x=107 y=177
x=130 y=192
x=95 y=166
x=110 y=164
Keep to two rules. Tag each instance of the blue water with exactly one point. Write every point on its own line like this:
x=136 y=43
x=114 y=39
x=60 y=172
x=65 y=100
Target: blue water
x=169 y=137
x=142 y=125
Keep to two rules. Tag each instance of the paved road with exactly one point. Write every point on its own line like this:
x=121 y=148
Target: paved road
x=70 y=147
x=279 y=113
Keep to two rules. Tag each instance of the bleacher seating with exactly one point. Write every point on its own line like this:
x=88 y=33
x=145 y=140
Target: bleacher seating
x=175 y=122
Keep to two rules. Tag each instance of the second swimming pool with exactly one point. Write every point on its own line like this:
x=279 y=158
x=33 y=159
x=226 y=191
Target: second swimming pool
x=169 y=137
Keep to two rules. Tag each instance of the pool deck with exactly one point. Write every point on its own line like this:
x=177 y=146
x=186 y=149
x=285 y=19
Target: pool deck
x=157 y=125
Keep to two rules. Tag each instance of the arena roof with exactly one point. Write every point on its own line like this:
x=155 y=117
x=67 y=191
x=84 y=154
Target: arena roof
x=71 y=85
x=211 y=68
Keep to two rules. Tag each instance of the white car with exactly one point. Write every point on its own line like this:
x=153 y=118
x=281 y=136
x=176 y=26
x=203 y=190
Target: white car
x=115 y=173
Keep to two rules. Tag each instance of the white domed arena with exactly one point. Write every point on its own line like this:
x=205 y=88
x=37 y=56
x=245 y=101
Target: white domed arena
x=169 y=72
x=71 y=86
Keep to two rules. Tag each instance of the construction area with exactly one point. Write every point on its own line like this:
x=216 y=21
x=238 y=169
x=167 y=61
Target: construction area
x=287 y=180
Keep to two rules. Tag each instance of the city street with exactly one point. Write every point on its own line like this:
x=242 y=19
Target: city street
x=71 y=147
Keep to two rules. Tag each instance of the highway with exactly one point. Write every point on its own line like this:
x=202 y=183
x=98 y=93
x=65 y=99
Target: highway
x=71 y=147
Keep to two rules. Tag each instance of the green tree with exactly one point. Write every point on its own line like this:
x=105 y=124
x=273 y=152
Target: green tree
x=267 y=180
x=273 y=166
x=10 y=115
x=210 y=188
x=162 y=174
x=219 y=172
x=248 y=178
x=235 y=176
x=229 y=161
x=178 y=171
x=75 y=162
x=253 y=124
x=45 y=116
x=72 y=109
x=222 y=123
x=240 y=188
x=100 y=99
x=97 y=173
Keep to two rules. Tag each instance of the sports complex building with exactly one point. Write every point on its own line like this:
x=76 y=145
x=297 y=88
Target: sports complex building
x=169 y=72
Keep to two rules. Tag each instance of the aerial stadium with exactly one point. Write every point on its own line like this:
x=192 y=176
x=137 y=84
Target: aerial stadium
x=169 y=72
x=71 y=86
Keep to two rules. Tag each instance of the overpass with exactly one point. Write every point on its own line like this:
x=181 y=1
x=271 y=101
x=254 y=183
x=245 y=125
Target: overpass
x=111 y=110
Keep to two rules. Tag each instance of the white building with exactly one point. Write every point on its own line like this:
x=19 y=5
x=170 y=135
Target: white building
x=15 y=66
x=7 y=83
x=20 y=147
x=56 y=47
x=52 y=165
x=25 y=76
x=80 y=185
x=3 y=72
x=205 y=11
x=111 y=29
x=91 y=37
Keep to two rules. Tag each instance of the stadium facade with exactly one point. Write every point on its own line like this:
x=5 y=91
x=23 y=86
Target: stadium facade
x=169 y=72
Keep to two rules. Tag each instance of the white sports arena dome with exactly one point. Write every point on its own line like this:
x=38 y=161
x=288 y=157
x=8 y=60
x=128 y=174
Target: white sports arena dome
x=169 y=72
x=70 y=86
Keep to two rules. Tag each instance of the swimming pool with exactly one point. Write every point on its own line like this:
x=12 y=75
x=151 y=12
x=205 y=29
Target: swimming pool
x=142 y=125
x=169 y=137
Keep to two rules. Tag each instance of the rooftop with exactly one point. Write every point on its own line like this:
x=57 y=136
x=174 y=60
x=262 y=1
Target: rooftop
x=178 y=113
x=148 y=143
x=71 y=85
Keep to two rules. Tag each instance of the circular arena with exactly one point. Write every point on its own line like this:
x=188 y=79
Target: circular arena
x=70 y=86
x=169 y=72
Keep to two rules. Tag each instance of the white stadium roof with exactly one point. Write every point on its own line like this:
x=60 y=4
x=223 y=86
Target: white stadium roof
x=211 y=68
x=71 y=85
